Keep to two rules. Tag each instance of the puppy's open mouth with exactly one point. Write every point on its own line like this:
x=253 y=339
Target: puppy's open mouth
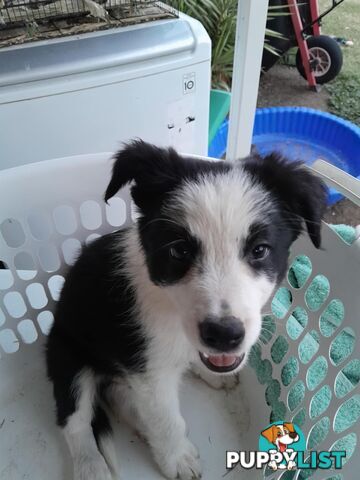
x=282 y=447
x=221 y=363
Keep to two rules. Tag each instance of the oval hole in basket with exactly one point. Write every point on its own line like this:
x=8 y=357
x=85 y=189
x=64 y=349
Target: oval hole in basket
x=268 y=473
x=320 y=401
x=278 y=412
x=71 y=249
x=39 y=225
x=272 y=392
x=317 y=292
x=316 y=373
x=25 y=266
x=45 y=320
x=347 y=414
x=6 y=277
x=92 y=237
x=332 y=317
x=12 y=233
x=342 y=346
x=318 y=433
x=65 y=219
x=116 y=212
x=14 y=304
x=296 y=395
x=299 y=271
x=296 y=323
x=345 y=444
x=255 y=356
x=2 y=318
x=289 y=371
x=308 y=346
x=49 y=258
x=264 y=371
x=288 y=475
x=55 y=285
x=300 y=417
x=279 y=349
x=36 y=294
x=8 y=341
x=27 y=331
x=268 y=329
x=347 y=379
x=304 y=474
x=90 y=214
x=281 y=302
x=335 y=477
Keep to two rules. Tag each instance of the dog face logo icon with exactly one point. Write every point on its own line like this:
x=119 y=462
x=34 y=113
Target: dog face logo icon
x=282 y=436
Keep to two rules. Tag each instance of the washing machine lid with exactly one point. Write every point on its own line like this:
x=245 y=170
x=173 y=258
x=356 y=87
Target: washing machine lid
x=98 y=50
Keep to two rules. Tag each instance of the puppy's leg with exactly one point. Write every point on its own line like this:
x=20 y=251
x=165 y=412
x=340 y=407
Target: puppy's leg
x=85 y=427
x=156 y=399
x=120 y=401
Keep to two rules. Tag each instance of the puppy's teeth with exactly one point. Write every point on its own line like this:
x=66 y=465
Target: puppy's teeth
x=206 y=355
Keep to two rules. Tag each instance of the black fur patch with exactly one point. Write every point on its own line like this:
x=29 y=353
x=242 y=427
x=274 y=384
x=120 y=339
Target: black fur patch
x=156 y=172
x=95 y=312
x=158 y=236
x=301 y=195
x=95 y=323
x=100 y=424
x=278 y=238
x=63 y=365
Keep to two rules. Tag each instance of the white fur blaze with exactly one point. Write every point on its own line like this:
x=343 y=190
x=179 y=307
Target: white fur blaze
x=89 y=464
x=219 y=211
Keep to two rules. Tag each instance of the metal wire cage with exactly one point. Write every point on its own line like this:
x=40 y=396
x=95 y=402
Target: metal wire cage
x=34 y=14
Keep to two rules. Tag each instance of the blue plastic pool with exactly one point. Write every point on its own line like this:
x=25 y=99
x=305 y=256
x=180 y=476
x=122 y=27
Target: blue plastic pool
x=302 y=134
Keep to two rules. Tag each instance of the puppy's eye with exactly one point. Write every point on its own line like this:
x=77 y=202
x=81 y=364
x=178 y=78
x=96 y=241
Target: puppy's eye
x=260 y=252
x=279 y=434
x=180 y=251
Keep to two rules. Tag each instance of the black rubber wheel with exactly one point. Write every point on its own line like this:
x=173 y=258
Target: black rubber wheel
x=326 y=58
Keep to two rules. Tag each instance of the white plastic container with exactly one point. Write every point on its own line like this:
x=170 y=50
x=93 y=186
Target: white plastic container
x=46 y=210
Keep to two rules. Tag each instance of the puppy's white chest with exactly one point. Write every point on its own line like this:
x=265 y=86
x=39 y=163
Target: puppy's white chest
x=168 y=345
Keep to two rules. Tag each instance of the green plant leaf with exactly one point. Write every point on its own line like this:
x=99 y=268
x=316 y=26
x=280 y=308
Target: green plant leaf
x=219 y=19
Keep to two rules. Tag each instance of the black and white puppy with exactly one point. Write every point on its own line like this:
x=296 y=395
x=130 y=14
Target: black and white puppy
x=183 y=286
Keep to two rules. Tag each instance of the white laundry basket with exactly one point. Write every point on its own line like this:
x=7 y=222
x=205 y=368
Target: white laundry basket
x=46 y=211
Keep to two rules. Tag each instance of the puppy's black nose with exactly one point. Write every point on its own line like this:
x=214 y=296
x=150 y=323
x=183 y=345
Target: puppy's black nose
x=293 y=435
x=222 y=334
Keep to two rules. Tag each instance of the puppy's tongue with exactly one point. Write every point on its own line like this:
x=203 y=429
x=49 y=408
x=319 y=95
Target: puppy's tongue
x=222 y=360
x=282 y=447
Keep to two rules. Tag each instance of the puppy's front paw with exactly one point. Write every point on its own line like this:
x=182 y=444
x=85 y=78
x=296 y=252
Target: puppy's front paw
x=183 y=463
x=91 y=468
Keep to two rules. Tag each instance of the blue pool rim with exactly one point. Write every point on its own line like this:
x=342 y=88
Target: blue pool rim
x=314 y=128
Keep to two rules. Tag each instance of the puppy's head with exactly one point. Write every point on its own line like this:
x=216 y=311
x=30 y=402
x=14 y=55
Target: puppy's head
x=281 y=435
x=216 y=238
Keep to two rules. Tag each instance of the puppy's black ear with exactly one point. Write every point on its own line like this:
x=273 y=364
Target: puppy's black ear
x=155 y=172
x=143 y=163
x=301 y=194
